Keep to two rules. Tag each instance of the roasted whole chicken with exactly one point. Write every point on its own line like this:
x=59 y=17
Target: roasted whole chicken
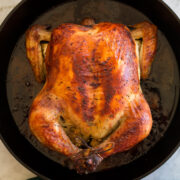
x=91 y=105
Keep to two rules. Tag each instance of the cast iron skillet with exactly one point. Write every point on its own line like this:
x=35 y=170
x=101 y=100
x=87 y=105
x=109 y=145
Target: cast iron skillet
x=13 y=27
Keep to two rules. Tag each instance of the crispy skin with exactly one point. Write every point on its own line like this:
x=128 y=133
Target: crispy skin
x=34 y=36
x=148 y=33
x=92 y=84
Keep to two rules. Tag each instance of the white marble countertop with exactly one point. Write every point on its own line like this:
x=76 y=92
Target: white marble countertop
x=13 y=170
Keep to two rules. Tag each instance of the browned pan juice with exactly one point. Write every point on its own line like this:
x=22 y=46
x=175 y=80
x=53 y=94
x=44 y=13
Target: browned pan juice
x=160 y=89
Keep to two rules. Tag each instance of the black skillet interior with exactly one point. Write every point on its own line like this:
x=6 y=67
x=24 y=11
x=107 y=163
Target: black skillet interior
x=14 y=26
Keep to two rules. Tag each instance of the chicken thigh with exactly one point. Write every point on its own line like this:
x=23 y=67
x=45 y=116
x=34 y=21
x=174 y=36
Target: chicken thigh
x=91 y=105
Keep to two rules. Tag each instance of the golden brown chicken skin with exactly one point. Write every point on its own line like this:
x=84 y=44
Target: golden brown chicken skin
x=92 y=94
